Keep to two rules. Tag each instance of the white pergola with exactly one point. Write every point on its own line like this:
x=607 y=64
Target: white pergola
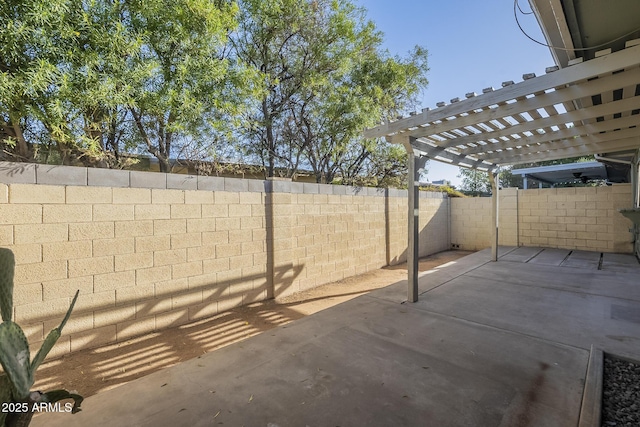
x=589 y=107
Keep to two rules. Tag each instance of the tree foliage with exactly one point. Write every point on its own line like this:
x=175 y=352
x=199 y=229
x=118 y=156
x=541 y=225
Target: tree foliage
x=287 y=84
x=180 y=69
x=101 y=76
x=326 y=79
x=37 y=40
x=474 y=182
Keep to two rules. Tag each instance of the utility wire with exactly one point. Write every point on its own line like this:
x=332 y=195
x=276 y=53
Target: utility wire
x=516 y=6
x=522 y=11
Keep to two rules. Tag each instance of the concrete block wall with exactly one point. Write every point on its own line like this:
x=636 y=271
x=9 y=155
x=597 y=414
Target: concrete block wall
x=335 y=236
x=435 y=235
x=471 y=221
x=149 y=250
x=584 y=218
x=327 y=233
x=143 y=259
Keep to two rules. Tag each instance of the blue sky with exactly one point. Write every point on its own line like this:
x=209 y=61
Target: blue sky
x=472 y=44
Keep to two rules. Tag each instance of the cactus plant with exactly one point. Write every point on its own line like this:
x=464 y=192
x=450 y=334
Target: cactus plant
x=18 y=377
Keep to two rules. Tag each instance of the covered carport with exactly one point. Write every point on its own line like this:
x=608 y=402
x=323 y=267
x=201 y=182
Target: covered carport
x=588 y=104
x=575 y=173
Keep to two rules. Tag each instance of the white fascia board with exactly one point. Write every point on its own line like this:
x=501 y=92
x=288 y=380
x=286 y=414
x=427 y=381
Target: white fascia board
x=568 y=166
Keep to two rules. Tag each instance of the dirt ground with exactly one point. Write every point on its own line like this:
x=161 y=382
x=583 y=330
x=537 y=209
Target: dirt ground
x=94 y=370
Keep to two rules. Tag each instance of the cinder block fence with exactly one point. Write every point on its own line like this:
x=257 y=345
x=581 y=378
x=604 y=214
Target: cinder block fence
x=150 y=251
x=583 y=218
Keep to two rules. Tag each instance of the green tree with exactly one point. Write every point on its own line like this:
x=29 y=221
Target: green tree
x=183 y=85
x=63 y=83
x=508 y=179
x=385 y=166
x=374 y=85
x=93 y=78
x=474 y=182
x=36 y=40
x=272 y=39
x=326 y=79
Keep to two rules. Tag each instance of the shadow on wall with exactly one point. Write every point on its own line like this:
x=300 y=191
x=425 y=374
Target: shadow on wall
x=16 y=168
x=134 y=316
x=281 y=273
x=122 y=362
x=93 y=371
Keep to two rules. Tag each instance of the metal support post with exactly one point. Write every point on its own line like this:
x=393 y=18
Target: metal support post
x=415 y=163
x=635 y=179
x=635 y=189
x=493 y=178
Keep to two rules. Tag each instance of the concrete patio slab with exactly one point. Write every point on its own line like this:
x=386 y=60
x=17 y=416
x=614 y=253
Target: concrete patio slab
x=622 y=263
x=601 y=283
x=583 y=260
x=522 y=254
x=550 y=257
x=563 y=316
x=488 y=344
x=627 y=259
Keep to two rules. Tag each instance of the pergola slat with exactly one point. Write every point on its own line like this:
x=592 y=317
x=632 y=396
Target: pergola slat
x=577 y=116
x=451 y=157
x=564 y=134
x=588 y=89
x=546 y=122
x=599 y=66
x=558 y=146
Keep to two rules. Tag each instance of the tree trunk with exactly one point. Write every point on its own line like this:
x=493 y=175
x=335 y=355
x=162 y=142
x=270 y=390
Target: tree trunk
x=270 y=143
x=165 y=166
x=23 y=147
x=163 y=160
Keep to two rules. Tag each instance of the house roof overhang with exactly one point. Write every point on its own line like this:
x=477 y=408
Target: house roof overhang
x=580 y=28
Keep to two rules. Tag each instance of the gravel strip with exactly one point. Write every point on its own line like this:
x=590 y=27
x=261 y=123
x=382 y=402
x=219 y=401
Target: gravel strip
x=620 y=393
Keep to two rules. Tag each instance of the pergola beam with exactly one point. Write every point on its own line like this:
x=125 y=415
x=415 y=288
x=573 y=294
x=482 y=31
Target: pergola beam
x=614 y=146
x=415 y=162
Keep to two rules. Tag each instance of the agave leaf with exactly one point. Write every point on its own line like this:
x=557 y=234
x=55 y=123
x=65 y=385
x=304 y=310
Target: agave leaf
x=7 y=268
x=58 y=395
x=66 y=317
x=14 y=357
x=51 y=339
x=46 y=347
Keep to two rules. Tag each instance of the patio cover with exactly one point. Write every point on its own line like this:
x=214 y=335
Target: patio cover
x=589 y=107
